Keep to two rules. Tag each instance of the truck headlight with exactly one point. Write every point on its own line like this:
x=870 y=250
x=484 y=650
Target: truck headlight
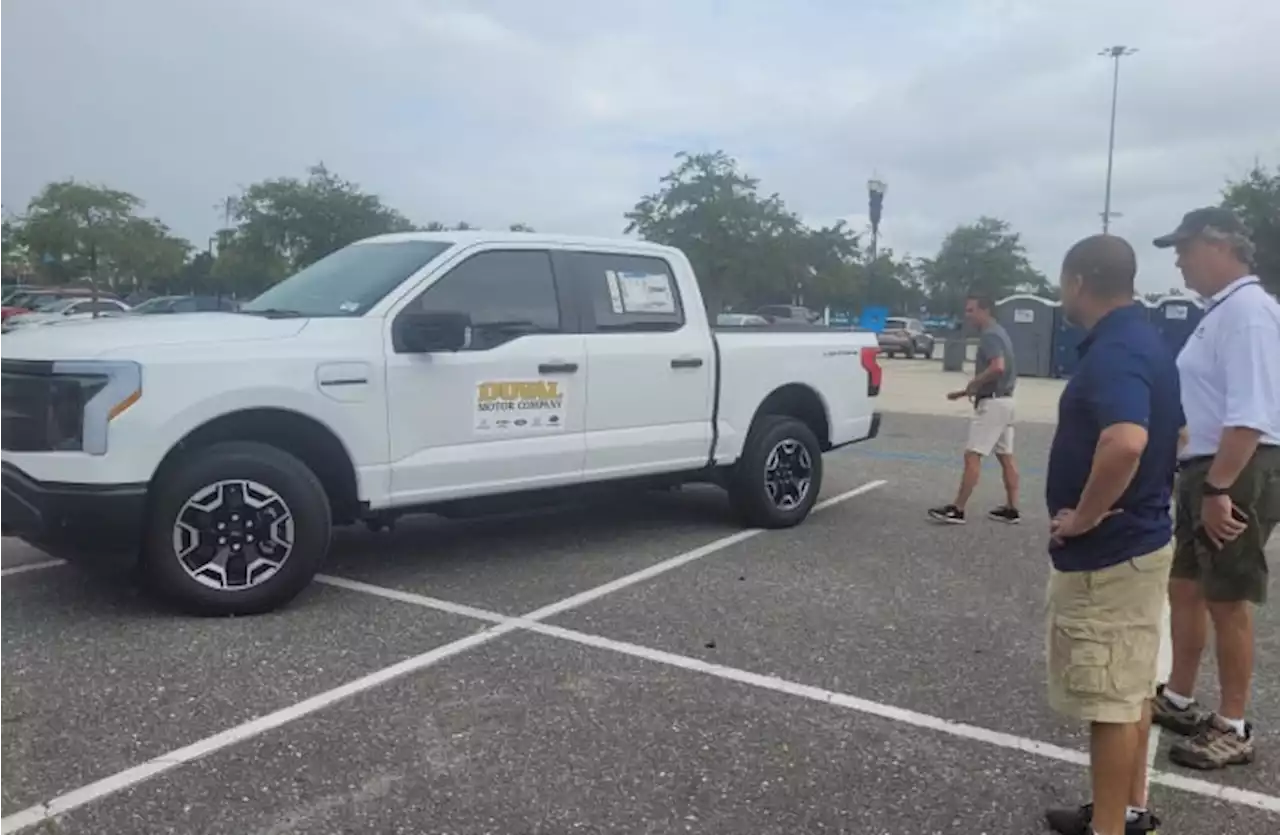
x=65 y=406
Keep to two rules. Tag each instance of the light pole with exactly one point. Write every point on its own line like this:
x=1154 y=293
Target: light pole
x=1115 y=53
x=875 y=196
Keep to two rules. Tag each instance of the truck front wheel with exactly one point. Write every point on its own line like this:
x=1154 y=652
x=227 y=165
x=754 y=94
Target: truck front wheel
x=776 y=481
x=235 y=528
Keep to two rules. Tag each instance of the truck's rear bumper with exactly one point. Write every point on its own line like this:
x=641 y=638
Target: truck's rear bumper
x=99 y=525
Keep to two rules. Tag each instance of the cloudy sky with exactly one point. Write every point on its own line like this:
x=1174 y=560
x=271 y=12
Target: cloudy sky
x=560 y=113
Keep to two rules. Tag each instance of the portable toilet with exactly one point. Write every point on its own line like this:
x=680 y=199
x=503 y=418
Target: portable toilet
x=1176 y=317
x=1067 y=336
x=873 y=318
x=1031 y=323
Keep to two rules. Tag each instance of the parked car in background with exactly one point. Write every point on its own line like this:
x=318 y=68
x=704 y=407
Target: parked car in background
x=35 y=300
x=740 y=320
x=789 y=314
x=184 y=304
x=65 y=310
x=905 y=336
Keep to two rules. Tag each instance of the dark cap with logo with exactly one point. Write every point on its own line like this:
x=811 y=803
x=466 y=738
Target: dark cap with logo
x=1198 y=221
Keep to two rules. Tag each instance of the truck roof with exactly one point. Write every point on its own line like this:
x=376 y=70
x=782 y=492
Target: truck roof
x=481 y=236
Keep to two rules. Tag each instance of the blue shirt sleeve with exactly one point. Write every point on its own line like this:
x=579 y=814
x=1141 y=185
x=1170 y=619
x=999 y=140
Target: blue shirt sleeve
x=1120 y=389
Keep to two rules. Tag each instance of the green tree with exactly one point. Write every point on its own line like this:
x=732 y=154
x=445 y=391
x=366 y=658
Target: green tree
x=747 y=249
x=981 y=257
x=284 y=224
x=1256 y=199
x=75 y=229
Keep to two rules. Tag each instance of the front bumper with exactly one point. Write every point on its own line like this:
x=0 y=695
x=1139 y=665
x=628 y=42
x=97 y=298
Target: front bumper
x=99 y=525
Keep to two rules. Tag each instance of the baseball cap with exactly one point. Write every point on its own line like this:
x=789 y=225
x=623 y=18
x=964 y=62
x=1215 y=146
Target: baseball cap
x=1198 y=221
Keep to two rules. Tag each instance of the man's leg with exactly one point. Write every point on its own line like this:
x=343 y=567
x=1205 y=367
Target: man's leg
x=1174 y=707
x=1105 y=673
x=1235 y=580
x=968 y=478
x=1009 y=472
x=1113 y=748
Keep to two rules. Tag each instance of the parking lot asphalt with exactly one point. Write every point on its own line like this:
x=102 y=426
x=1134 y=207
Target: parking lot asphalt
x=866 y=672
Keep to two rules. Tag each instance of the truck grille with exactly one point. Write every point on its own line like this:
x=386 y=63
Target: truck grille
x=39 y=411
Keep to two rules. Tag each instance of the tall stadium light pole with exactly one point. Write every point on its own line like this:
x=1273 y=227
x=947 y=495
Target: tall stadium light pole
x=875 y=202
x=1115 y=53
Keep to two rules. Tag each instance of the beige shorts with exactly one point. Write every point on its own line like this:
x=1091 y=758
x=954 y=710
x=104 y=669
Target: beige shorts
x=1103 y=637
x=991 y=427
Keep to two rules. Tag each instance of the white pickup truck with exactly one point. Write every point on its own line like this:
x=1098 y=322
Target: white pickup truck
x=213 y=452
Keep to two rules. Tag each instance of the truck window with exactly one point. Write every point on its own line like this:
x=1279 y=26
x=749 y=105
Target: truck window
x=506 y=294
x=627 y=292
x=349 y=281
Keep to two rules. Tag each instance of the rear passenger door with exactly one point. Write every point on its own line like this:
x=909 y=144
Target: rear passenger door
x=650 y=386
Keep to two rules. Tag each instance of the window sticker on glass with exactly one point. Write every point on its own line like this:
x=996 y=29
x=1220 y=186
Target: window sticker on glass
x=348 y=307
x=646 y=292
x=615 y=293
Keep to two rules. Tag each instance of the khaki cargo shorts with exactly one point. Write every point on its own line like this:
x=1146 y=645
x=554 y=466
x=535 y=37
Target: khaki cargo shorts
x=991 y=427
x=1103 y=637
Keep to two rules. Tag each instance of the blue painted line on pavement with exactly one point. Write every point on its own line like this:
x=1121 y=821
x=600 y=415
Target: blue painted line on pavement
x=934 y=458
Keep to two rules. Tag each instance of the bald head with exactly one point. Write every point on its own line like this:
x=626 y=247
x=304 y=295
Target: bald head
x=1105 y=266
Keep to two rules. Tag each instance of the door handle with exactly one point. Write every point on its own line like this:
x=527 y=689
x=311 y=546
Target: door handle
x=557 y=368
x=687 y=362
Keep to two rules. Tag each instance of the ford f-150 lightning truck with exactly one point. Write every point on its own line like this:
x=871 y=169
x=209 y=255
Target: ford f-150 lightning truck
x=213 y=452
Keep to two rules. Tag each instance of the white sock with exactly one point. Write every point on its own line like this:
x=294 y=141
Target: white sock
x=1132 y=813
x=1179 y=701
x=1237 y=725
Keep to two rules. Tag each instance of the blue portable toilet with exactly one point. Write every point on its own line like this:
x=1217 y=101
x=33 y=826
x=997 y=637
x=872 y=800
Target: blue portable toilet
x=873 y=318
x=1176 y=317
x=1066 y=344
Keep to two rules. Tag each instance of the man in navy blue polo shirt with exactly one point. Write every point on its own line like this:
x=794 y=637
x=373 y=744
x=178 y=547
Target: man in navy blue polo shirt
x=1111 y=472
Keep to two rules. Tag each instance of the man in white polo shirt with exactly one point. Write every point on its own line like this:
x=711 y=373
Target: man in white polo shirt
x=1228 y=499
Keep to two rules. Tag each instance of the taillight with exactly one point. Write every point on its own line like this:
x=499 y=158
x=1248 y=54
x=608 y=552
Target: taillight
x=871 y=364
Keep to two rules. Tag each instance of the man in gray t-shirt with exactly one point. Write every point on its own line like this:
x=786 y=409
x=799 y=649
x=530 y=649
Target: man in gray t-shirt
x=991 y=427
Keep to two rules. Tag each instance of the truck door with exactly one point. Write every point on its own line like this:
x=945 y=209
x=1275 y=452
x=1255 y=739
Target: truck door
x=504 y=413
x=649 y=395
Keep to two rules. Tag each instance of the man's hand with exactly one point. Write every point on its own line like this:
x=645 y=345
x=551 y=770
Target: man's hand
x=1067 y=524
x=1219 y=524
x=956 y=395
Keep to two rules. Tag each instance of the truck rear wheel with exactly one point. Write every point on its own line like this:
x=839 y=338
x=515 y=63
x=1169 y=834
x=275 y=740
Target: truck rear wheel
x=776 y=481
x=236 y=528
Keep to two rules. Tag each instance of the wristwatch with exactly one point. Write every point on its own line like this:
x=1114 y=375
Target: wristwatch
x=1212 y=490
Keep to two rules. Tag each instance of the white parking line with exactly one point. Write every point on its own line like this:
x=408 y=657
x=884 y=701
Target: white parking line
x=133 y=776
x=31 y=566
x=999 y=739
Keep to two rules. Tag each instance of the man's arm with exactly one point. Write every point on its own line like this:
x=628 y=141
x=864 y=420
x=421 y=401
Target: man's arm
x=1121 y=400
x=1250 y=372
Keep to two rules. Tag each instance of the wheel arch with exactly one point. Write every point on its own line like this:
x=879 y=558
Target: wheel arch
x=303 y=436
x=802 y=402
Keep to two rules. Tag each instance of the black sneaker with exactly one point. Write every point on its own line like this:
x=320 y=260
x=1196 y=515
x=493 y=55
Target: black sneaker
x=1079 y=821
x=1006 y=514
x=947 y=514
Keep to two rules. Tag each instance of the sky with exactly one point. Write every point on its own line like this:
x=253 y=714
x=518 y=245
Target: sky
x=562 y=113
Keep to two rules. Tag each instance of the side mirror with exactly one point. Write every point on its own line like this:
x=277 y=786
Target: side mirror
x=422 y=332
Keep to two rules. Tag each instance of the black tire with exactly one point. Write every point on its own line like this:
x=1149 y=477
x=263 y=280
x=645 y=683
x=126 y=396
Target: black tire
x=747 y=485
x=911 y=351
x=928 y=351
x=292 y=482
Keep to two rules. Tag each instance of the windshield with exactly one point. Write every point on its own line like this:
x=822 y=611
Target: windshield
x=347 y=282
x=156 y=305
x=56 y=305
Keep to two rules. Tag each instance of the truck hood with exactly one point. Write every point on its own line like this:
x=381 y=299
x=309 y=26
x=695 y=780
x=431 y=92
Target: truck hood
x=118 y=336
